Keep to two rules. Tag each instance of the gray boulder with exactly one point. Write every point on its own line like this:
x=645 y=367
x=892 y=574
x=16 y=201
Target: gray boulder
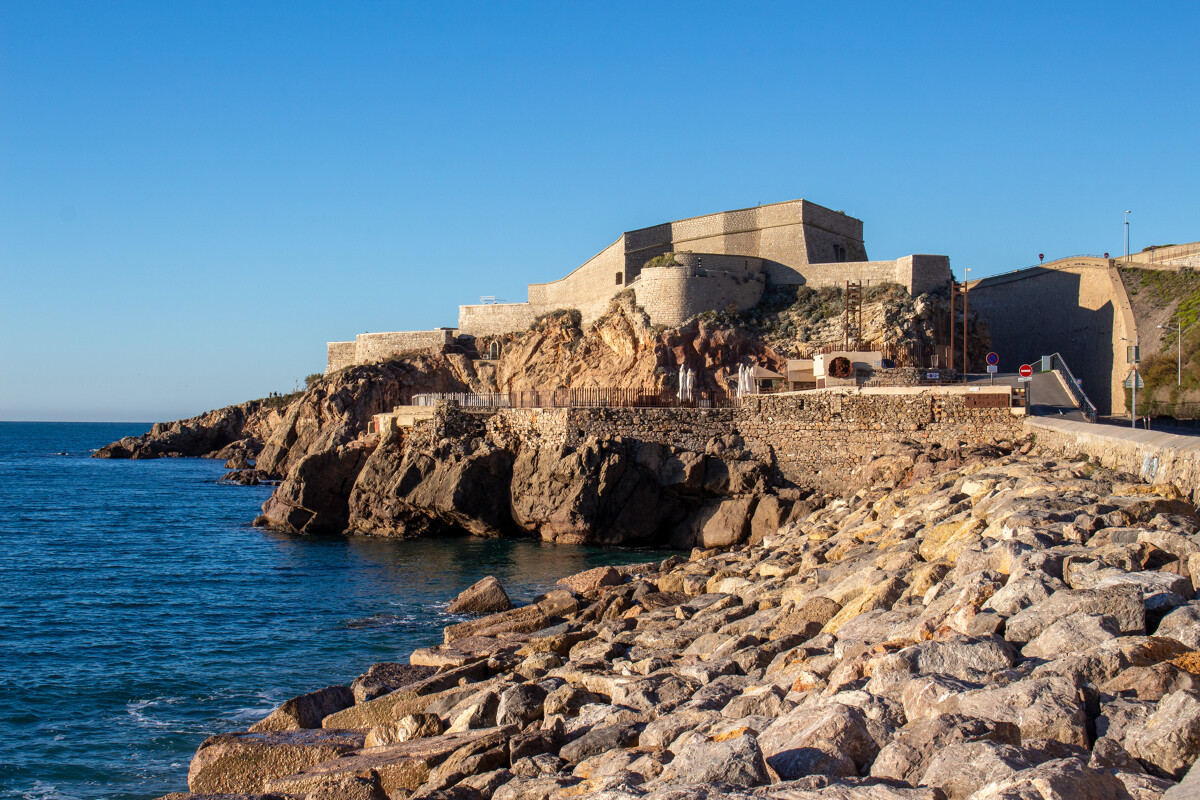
x=907 y=756
x=1071 y=634
x=738 y=761
x=831 y=740
x=521 y=704
x=961 y=769
x=1182 y=624
x=1123 y=605
x=486 y=596
x=1169 y=739
x=307 y=710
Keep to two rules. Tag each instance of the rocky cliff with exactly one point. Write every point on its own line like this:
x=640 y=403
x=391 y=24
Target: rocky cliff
x=997 y=625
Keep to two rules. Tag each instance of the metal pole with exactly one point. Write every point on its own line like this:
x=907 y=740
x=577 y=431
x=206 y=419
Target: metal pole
x=1127 y=235
x=966 y=300
x=951 y=365
x=1133 y=412
x=1179 y=355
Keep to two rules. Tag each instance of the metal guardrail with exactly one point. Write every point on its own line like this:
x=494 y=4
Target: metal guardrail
x=1085 y=405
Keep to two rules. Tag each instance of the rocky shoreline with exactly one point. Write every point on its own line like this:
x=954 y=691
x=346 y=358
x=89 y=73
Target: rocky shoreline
x=1011 y=625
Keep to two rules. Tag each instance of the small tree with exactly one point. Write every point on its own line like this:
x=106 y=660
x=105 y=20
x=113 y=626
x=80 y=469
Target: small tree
x=309 y=380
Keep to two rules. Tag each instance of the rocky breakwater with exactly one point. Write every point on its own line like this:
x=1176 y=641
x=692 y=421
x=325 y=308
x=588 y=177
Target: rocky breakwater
x=1020 y=628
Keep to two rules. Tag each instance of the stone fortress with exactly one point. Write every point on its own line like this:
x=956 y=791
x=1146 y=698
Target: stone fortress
x=719 y=259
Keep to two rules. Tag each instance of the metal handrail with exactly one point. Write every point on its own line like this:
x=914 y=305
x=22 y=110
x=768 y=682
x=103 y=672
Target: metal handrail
x=1085 y=405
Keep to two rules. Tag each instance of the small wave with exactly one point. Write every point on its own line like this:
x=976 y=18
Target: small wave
x=135 y=709
x=46 y=791
x=240 y=715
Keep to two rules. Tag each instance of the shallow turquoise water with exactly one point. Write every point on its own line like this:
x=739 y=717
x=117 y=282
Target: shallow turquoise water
x=139 y=612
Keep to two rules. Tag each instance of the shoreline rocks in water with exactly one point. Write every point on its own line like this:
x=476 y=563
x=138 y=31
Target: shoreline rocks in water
x=1019 y=628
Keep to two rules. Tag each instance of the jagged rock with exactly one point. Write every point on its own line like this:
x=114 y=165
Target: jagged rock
x=1169 y=738
x=908 y=755
x=245 y=762
x=411 y=726
x=961 y=769
x=589 y=581
x=486 y=596
x=1061 y=779
x=737 y=761
x=521 y=704
x=1043 y=708
x=307 y=710
x=599 y=740
x=832 y=740
x=386 y=677
x=312 y=498
x=1182 y=624
x=1072 y=633
x=1125 y=607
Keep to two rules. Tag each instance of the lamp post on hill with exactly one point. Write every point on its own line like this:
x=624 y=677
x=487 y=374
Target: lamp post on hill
x=1127 y=213
x=1179 y=329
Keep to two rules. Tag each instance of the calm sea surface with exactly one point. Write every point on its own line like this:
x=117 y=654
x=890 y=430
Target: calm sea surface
x=139 y=611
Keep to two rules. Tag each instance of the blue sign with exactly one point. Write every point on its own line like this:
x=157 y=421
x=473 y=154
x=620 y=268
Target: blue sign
x=993 y=359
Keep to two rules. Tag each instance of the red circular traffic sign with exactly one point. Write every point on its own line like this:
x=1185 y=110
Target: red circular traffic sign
x=1026 y=371
x=993 y=359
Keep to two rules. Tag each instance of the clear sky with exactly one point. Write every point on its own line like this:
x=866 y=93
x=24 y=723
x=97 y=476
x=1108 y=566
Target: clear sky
x=195 y=197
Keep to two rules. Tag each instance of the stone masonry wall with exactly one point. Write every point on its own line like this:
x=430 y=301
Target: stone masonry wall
x=589 y=288
x=490 y=319
x=370 y=347
x=816 y=439
x=338 y=355
x=673 y=295
x=1154 y=457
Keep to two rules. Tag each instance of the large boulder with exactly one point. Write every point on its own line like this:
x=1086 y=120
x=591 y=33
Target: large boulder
x=830 y=740
x=1169 y=739
x=486 y=596
x=244 y=762
x=307 y=710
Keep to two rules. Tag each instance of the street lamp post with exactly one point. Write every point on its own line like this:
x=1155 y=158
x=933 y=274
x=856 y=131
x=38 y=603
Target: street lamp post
x=966 y=299
x=1179 y=329
x=1127 y=213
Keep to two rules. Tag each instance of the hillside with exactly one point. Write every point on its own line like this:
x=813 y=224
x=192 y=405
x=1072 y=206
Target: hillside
x=1170 y=298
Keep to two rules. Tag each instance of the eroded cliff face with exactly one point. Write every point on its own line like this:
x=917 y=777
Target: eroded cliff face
x=456 y=473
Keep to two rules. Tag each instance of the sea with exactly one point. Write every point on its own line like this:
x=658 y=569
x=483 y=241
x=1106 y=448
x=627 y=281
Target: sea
x=140 y=612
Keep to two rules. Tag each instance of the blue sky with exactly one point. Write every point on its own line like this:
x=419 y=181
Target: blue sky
x=195 y=197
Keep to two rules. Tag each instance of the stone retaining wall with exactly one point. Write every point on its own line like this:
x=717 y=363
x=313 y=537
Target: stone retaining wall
x=815 y=439
x=1152 y=456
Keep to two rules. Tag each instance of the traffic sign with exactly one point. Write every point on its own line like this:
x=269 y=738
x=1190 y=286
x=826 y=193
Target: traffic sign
x=993 y=368
x=1134 y=381
x=1026 y=371
x=993 y=359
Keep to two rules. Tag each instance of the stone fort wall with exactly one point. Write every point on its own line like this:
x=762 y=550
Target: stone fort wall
x=1077 y=307
x=369 y=347
x=814 y=439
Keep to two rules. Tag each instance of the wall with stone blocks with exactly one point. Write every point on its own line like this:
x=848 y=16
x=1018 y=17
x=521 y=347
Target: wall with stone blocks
x=491 y=319
x=338 y=355
x=369 y=347
x=1077 y=307
x=1154 y=457
x=816 y=439
x=673 y=295
x=589 y=288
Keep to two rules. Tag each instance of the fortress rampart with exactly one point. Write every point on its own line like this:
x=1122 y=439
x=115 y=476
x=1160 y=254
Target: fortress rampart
x=1075 y=306
x=368 y=347
x=722 y=259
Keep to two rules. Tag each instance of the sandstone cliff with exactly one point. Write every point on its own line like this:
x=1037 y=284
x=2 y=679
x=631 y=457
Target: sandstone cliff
x=222 y=433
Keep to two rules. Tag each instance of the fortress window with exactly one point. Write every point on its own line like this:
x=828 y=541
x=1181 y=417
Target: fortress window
x=618 y=279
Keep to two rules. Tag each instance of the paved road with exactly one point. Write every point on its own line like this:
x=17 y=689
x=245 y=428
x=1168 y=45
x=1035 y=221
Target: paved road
x=1047 y=393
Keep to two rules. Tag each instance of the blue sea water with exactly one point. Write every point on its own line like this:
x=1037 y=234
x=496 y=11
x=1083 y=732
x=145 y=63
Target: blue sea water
x=139 y=611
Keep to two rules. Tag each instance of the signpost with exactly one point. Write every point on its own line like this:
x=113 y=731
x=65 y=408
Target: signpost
x=992 y=361
x=1026 y=372
x=1135 y=382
